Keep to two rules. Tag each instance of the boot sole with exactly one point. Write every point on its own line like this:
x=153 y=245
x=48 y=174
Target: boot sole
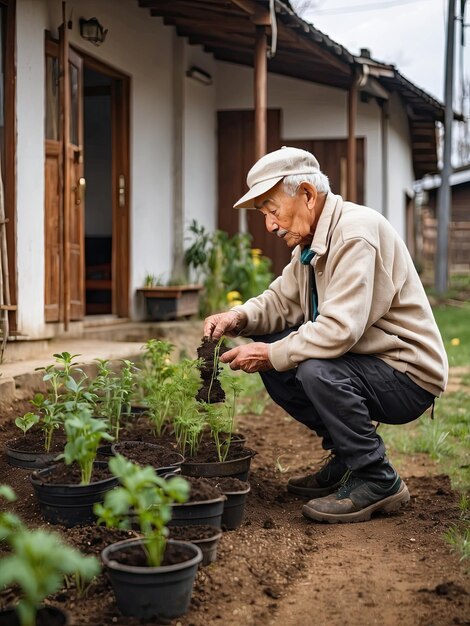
x=310 y=492
x=387 y=505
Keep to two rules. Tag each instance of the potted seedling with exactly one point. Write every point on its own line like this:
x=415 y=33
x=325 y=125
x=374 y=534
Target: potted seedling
x=37 y=563
x=65 y=395
x=151 y=576
x=161 y=458
x=221 y=459
x=67 y=491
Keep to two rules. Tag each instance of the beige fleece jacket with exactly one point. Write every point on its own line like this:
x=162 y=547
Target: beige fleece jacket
x=370 y=300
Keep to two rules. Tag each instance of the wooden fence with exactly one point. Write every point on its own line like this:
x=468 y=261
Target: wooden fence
x=459 y=244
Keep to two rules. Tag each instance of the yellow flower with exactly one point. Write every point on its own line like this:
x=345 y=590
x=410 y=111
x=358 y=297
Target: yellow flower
x=455 y=341
x=256 y=252
x=236 y=303
x=233 y=295
x=256 y=261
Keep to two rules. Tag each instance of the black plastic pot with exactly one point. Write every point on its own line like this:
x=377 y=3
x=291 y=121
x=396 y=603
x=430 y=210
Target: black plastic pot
x=146 y=592
x=119 y=448
x=69 y=505
x=28 y=459
x=234 y=508
x=198 y=513
x=46 y=616
x=236 y=468
x=208 y=546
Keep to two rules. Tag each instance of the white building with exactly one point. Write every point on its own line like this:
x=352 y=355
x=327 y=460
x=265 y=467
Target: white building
x=158 y=121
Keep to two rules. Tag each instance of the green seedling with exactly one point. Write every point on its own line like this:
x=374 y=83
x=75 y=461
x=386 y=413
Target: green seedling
x=52 y=408
x=26 y=422
x=156 y=365
x=84 y=435
x=219 y=421
x=114 y=392
x=143 y=498
x=37 y=563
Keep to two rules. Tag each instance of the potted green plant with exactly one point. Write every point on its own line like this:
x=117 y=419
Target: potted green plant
x=223 y=459
x=151 y=576
x=67 y=491
x=170 y=301
x=37 y=449
x=37 y=563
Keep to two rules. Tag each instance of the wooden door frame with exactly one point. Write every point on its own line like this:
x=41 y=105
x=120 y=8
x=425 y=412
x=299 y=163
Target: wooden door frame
x=10 y=151
x=120 y=122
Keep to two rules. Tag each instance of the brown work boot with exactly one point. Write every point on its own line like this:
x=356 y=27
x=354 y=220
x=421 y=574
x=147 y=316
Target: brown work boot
x=327 y=480
x=357 y=499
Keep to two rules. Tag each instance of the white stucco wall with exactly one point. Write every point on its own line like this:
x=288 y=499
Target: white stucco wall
x=30 y=165
x=141 y=46
x=311 y=111
x=400 y=165
x=200 y=143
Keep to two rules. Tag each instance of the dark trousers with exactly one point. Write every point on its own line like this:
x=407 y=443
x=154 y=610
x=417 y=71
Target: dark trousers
x=339 y=398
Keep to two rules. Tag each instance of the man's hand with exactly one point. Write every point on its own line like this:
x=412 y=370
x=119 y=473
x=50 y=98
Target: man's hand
x=228 y=323
x=252 y=357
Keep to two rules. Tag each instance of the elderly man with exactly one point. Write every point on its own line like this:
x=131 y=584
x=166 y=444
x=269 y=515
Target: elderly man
x=343 y=338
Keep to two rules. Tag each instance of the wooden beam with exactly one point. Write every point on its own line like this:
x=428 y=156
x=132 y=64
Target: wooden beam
x=65 y=93
x=260 y=91
x=352 y=152
x=258 y=15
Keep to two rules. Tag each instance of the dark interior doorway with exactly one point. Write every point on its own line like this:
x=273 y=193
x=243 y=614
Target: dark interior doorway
x=98 y=159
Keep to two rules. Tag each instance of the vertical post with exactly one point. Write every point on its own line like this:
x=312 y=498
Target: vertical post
x=64 y=61
x=261 y=81
x=384 y=120
x=178 y=269
x=352 y=152
x=444 y=194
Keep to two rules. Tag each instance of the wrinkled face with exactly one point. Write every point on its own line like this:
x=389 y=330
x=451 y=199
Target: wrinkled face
x=293 y=219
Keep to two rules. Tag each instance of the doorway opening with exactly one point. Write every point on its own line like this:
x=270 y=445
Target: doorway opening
x=98 y=161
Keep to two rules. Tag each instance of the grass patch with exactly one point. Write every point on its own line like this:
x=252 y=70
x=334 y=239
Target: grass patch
x=458 y=535
x=454 y=325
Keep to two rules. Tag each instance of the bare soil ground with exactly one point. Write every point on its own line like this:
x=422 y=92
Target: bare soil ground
x=279 y=569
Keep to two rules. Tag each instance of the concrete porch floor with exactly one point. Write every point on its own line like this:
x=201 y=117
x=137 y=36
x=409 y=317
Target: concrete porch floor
x=19 y=378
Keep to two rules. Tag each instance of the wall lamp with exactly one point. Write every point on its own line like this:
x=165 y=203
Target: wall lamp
x=200 y=75
x=92 y=31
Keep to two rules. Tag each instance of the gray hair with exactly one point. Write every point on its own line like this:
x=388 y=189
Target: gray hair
x=318 y=180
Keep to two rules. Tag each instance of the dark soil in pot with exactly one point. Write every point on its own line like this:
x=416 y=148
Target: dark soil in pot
x=135 y=555
x=204 y=536
x=33 y=441
x=70 y=475
x=193 y=533
x=158 y=456
x=28 y=451
x=228 y=484
x=211 y=390
x=201 y=489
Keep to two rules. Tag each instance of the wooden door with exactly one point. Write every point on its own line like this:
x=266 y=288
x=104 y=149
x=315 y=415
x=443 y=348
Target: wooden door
x=236 y=150
x=64 y=186
x=53 y=222
x=74 y=209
